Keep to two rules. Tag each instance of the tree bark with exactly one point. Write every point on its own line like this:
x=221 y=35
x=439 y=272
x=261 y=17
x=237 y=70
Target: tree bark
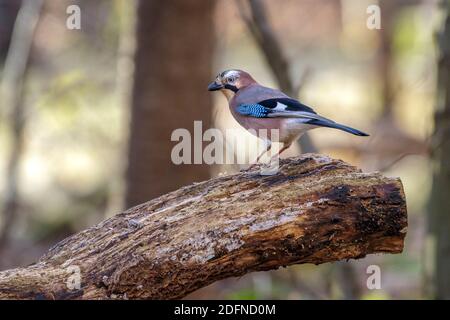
x=313 y=210
x=173 y=66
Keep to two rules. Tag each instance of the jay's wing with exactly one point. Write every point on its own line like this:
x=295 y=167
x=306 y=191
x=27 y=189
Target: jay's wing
x=291 y=108
x=278 y=107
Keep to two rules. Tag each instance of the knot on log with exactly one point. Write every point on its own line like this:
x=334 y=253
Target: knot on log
x=314 y=210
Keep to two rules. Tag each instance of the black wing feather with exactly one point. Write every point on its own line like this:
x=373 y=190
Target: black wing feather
x=292 y=104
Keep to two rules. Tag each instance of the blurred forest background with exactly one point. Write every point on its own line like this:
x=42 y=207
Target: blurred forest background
x=86 y=117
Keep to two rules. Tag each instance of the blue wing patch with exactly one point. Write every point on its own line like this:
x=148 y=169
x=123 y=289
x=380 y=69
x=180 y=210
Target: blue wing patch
x=253 y=110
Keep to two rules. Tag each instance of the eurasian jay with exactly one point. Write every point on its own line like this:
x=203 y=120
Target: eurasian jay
x=257 y=107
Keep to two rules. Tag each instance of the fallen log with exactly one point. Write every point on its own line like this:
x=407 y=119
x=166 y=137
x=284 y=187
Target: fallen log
x=314 y=210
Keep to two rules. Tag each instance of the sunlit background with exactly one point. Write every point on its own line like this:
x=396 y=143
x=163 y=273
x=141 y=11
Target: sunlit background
x=65 y=155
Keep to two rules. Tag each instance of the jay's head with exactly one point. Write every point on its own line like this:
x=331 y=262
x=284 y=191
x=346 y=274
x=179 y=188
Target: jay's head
x=231 y=81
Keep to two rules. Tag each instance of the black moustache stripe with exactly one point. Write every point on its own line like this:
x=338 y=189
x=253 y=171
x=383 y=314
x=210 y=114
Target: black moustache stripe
x=232 y=88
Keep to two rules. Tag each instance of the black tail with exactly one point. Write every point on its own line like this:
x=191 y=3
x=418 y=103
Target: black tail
x=323 y=123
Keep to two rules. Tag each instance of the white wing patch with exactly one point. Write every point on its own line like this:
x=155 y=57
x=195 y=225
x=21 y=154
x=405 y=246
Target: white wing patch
x=280 y=111
x=280 y=107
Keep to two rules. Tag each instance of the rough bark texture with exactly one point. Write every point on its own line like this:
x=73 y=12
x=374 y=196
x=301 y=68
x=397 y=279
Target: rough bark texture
x=173 y=66
x=314 y=210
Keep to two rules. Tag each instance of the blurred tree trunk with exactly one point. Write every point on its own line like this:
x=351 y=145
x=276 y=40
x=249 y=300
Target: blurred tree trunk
x=123 y=87
x=385 y=56
x=8 y=13
x=439 y=199
x=12 y=94
x=173 y=65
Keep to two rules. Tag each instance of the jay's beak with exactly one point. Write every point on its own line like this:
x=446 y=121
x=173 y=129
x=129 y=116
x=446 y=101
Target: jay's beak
x=213 y=86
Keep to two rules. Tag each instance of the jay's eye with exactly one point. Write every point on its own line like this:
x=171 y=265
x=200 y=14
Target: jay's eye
x=231 y=79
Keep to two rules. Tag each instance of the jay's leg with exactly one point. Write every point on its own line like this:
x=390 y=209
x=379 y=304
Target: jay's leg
x=268 y=147
x=285 y=147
